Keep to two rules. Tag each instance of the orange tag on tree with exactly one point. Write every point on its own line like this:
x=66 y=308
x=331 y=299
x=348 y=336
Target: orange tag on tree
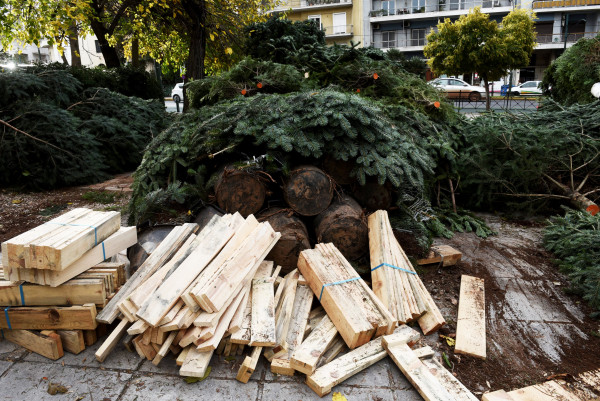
x=358 y=91
x=259 y=85
x=375 y=76
x=593 y=209
x=244 y=92
x=436 y=104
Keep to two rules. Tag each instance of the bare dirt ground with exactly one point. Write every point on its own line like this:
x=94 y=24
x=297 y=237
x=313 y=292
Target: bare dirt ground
x=534 y=328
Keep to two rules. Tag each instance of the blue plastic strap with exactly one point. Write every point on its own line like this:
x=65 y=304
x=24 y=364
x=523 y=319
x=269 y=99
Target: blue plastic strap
x=7 y=318
x=80 y=225
x=336 y=283
x=103 y=252
x=393 y=267
x=22 y=295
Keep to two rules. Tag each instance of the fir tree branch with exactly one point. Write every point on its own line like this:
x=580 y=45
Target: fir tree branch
x=34 y=138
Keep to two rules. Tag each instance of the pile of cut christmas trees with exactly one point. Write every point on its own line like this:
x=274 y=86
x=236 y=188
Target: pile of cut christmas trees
x=54 y=279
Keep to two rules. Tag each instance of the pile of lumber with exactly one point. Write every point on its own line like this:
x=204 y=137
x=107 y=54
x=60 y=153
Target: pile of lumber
x=395 y=281
x=65 y=247
x=54 y=280
x=193 y=291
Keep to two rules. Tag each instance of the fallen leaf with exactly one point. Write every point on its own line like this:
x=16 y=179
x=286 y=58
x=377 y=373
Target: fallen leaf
x=230 y=358
x=449 y=340
x=55 y=388
x=17 y=201
x=338 y=397
x=447 y=360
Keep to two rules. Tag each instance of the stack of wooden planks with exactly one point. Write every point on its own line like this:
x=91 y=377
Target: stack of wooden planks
x=394 y=280
x=65 y=247
x=357 y=313
x=54 y=280
x=193 y=292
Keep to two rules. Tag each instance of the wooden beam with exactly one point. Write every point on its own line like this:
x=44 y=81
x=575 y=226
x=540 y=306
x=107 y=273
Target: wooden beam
x=415 y=371
x=74 y=292
x=49 y=346
x=447 y=379
x=263 y=307
x=196 y=363
x=163 y=252
x=249 y=365
x=444 y=254
x=499 y=395
x=470 y=325
x=72 y=340
x=44 y=318
x=90 y=337
x=306 y=356
x=111 y=341
x=162 y=352
x=165 y=296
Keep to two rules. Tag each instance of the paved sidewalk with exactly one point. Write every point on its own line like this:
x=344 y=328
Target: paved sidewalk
x=124 y=376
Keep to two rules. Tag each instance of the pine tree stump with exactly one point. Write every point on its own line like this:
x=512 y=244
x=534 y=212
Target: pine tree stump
x=339 y=170
x=308 y=190
x=239 y=191
x=344 y=224
x=294 y=237
x=373 y=196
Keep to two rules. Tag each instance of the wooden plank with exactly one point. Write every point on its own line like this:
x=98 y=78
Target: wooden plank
x=111 y=341
x=444 y=254
x=238 y=317
x=162 y=352
x=249 y=365
x=90 y=337
x=49 y=346
x=284 y=312
x=122 y=239
x=470 y=324
x=548 y=391
x=74 y=292
x=13 y=250
x=499 y=395
x=424 y=353
x=165 y=296
x=306 y=356
x=138 y=327
x=183 y=354
x=72 y=340
x=172 y=313
x=196 y=363
x=263 y=307
x=44 y=318
x=238 y=270
x=163 y=252
x=146 y=350
x=416 y=372
x=447 y=380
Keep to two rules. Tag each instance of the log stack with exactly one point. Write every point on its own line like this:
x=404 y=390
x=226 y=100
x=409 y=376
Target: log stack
x=54 y=280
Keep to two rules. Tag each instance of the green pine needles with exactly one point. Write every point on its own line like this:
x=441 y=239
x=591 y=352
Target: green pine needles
x=575 y=241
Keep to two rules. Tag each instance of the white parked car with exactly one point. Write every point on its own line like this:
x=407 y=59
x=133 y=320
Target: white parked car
x=177 y=92
x=530 y=88
x=459 y=89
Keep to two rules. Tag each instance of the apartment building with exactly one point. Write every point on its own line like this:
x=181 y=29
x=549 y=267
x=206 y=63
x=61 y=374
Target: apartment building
x=404 y=24
x=342 y=20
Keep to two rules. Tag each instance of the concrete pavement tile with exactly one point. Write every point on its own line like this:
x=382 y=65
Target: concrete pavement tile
x=301 y=392
x=169 y=388
x=167 y=366
x=10 y=351
x=4 y=365
x=25 y=381
x=119 y=358
x=398 y=379
x=407 y=395
x=227 y=369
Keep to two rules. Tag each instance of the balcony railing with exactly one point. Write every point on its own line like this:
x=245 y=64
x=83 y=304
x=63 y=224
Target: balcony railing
x=439 y=5
x=399 y=39
x=563 y=3
x=546 y=38
x=338 y=30
x=310 y=3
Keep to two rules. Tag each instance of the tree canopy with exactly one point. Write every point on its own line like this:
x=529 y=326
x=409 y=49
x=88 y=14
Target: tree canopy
x=476 y=44
x=571 y=76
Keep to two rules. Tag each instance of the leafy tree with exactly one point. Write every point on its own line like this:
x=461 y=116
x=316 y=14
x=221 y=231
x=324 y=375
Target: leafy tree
x=474 y=43
x=571 y=76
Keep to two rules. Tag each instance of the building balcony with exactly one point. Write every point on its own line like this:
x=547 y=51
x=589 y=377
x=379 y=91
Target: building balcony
x=338 y=31
x=557 y=40
x=311 y=4
x=540 y=4
x=406 y=40
x=402 y=9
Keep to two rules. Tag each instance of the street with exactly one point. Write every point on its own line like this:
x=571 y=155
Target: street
x=513 y=104
x=171 y=106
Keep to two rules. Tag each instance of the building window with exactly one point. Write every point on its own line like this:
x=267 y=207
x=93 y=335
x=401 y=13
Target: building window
x=418 y=6
x=98 y=49
x=388 y=39
x=339 y=23
x=317 y=19
x=389 y=7
x=417 y=37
